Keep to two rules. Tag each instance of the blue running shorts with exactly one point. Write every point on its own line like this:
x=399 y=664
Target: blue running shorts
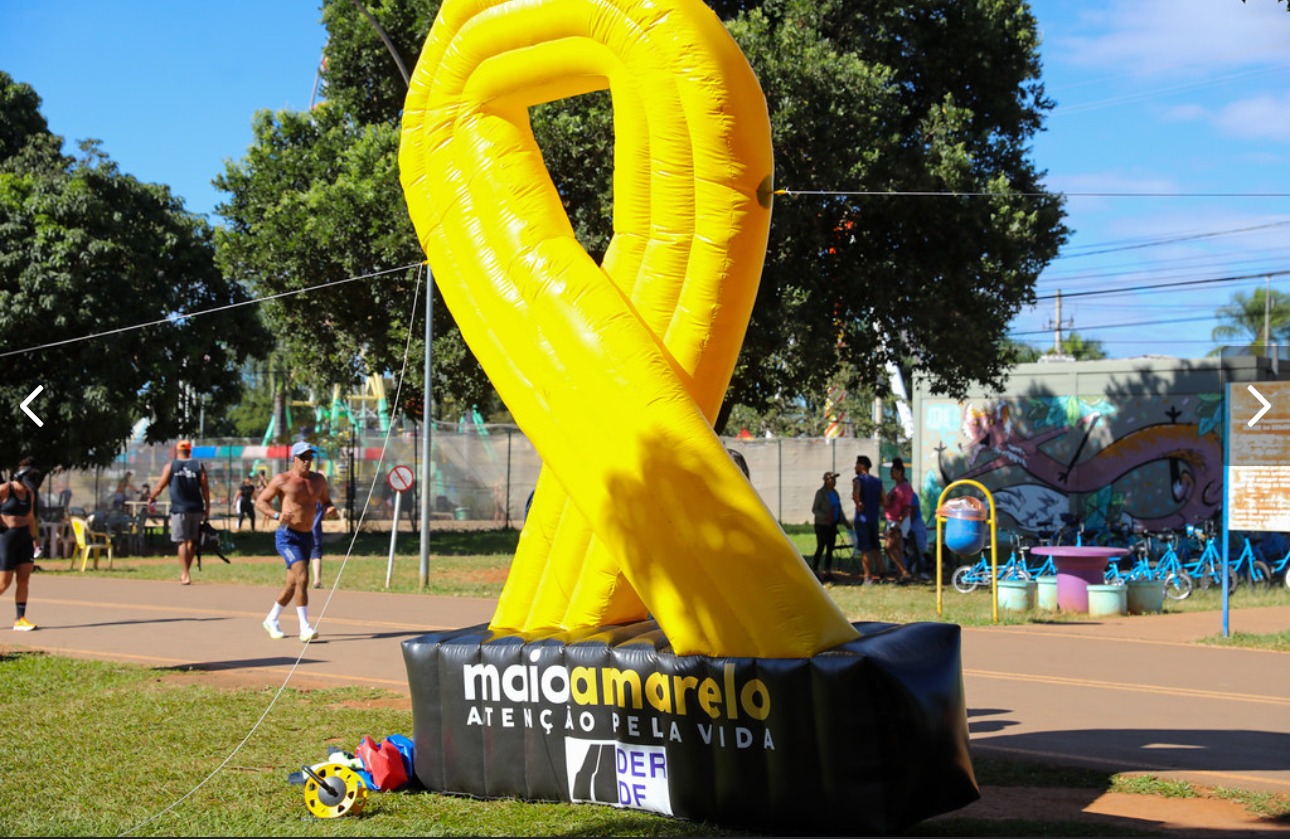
x=293 y=545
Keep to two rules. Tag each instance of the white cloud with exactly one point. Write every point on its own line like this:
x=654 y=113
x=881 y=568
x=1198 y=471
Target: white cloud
x=1265 y=117
x=1181 y=39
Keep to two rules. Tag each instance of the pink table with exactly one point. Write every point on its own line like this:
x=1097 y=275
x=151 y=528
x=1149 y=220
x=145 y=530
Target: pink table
x=1078 y=567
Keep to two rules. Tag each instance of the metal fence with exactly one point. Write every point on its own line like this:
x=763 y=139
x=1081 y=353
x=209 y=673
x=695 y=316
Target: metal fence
x=481 y=473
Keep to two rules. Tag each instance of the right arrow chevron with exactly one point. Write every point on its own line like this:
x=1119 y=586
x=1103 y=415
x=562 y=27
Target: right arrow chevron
x=1265 y=403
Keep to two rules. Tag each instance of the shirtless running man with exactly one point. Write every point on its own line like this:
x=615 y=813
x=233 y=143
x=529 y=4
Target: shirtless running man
x=300 y=489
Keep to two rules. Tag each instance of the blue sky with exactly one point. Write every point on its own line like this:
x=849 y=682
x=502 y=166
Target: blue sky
x=1155 y=98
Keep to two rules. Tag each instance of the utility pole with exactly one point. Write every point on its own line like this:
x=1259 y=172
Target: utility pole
x=1273 y=354
x=1058 y=349
x=1059 y=352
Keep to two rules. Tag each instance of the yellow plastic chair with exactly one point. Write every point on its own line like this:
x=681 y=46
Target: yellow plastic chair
x=90 y=543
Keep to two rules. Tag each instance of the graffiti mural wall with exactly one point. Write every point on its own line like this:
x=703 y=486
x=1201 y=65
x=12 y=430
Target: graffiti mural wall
x=1116 y=445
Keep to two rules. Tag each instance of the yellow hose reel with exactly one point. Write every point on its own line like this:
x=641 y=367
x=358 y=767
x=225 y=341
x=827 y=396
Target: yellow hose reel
x=333 y=790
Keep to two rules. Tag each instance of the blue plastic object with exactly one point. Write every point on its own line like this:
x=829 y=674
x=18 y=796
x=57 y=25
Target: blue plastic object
x=964 y=536
x=406 y=751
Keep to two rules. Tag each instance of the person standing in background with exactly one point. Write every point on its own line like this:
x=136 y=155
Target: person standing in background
x=246 y=502
x=896 y=509
x=866 y=492
x=827 y=510
x=190 y=503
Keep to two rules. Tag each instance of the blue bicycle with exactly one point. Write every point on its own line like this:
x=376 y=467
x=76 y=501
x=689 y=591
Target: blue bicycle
x=1271 y=546
x=1207 y=568
x=1166 y=567
x=967 y=578
x=1247 y=568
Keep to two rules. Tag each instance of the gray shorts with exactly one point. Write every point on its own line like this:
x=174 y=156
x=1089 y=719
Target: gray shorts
x=186 y=527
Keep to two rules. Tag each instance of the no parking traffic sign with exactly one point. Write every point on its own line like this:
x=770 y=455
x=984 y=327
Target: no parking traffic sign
x=400 y=478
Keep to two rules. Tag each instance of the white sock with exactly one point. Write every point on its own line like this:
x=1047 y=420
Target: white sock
x=304 y=618
x=274 y=612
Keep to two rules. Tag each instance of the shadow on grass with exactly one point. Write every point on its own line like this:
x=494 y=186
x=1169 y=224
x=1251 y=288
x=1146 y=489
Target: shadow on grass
x=442 y=542
x=235 y=664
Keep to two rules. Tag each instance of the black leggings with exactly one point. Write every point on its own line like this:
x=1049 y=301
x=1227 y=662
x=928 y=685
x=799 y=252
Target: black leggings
x=825 y=536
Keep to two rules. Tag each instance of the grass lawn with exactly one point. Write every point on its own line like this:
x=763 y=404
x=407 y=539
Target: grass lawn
x=111 y=749
x=125 y=749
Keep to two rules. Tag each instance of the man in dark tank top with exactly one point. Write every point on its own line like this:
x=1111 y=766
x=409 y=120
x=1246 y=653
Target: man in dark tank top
x=190 y=503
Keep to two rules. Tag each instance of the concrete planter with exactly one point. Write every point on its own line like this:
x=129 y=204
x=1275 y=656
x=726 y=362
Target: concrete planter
x=1145 y=596
x=1107 y=601
x=1047 y=593
x=1017 y=595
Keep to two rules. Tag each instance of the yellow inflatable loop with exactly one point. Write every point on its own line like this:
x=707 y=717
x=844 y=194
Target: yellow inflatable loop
x=614 y=371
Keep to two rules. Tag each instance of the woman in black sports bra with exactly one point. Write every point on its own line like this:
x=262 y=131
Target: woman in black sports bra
x=18 y=541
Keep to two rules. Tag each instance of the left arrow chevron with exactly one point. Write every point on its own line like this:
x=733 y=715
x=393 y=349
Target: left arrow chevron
x=27 y=402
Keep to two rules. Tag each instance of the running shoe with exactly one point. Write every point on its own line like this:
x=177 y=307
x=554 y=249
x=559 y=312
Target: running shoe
x=308 y=633
x=23 y=625
x=275 y=631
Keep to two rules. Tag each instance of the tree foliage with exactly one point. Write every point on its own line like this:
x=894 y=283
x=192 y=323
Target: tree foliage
x=1242 y=320
x=926 y=108
x=912 y=118
x=316 y=200
x=86 y=254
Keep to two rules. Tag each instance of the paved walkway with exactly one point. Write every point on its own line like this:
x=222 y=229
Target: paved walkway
x=1130 y=694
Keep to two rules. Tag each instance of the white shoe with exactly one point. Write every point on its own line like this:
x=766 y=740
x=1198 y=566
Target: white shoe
x=275 y=631
x=308 y=633
x=23 y=625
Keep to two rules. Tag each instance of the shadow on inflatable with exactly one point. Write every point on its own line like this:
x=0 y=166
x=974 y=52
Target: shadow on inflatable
x=660 y=644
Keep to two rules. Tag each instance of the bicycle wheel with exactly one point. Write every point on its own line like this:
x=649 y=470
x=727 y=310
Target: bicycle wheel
x=1013 y=572
x=1178 y=586
x=1211 y=576
x=964 y=580
x=1260 y=576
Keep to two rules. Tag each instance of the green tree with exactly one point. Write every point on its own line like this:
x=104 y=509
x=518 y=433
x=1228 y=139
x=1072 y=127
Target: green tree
x=892 y=98
x=1020 y=353
x=317 y=200
x=86 y=255
x=1245 y=317
x=1083 y=349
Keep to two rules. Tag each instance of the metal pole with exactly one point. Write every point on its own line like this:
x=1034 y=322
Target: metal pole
x=509 y=437
x=427 y=409
x=389 y=45
x=394 y=535
x=779 y=468
x=351 y=489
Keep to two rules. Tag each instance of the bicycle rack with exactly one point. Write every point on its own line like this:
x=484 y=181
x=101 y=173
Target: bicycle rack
x=994 y=545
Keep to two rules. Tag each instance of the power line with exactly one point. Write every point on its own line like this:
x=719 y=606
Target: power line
x=1150 y=287
x=185 y=315
x=1164 y=269
x=1193 y=237
x=1085 y=330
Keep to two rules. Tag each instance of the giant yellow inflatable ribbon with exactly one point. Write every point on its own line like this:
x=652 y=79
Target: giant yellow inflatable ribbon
x=614 y=372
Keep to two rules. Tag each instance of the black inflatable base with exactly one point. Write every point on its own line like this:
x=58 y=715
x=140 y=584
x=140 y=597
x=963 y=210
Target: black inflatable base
x=868 y=737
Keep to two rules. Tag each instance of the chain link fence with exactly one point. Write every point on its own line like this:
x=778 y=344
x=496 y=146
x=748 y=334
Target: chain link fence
x=481 y=474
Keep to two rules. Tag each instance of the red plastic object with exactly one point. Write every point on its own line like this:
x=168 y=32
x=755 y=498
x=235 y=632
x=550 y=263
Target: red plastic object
x=384 y=763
